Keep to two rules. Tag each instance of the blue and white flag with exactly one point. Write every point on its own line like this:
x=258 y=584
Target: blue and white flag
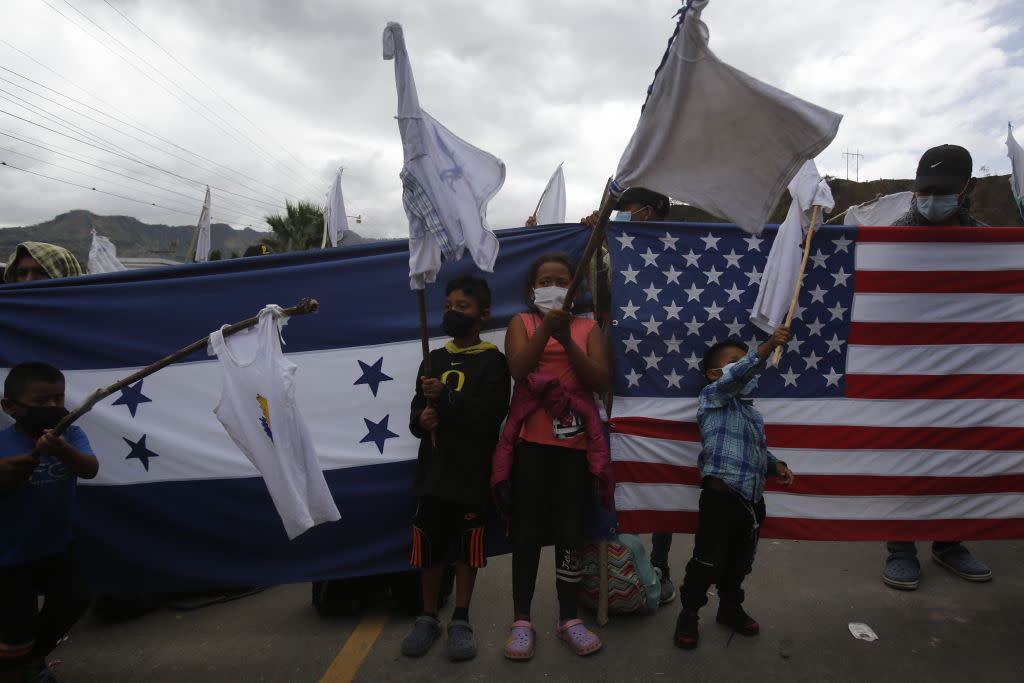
x=717 y=138
x=446 y=182
x=103 y=256
x=176 y=506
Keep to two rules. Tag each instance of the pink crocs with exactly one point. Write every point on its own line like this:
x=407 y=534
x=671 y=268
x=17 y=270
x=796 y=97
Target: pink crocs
x=520 y=640
x=582 y=640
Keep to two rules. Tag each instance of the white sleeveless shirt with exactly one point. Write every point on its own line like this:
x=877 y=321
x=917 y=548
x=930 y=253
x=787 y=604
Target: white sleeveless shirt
x=257 y=408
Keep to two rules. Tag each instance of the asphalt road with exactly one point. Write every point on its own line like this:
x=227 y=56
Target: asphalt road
x=804 y=594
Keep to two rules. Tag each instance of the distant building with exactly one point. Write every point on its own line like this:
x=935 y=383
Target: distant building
x=140 y=262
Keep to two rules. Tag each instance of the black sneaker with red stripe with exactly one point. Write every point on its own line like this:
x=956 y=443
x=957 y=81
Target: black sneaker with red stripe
x=732 y=615
x=687 y=634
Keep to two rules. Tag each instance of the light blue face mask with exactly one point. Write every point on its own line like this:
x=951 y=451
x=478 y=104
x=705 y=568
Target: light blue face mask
x=623 y=216
x=937 y=208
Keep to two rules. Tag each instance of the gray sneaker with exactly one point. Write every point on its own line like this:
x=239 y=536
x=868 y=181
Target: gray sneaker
x=668 y=589
x=961 y=562
x=423 y=634
x=461 y=641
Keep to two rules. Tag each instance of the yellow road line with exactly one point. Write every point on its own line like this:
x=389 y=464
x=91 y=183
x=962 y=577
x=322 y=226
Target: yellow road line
x=345 y=666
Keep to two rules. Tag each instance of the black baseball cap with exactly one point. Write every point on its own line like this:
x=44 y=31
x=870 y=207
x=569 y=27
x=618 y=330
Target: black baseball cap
x=641 y=195
x=946 y=168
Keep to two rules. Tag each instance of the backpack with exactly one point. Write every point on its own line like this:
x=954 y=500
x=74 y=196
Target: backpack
x=634 y=584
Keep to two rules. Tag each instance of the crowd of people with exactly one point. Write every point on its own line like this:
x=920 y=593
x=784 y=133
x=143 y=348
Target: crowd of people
x=539 y=454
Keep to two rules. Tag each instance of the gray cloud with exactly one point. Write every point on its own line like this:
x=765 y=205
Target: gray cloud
x=535 y=83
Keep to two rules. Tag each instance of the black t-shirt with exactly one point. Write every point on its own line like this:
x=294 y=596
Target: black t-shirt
x=470 y=413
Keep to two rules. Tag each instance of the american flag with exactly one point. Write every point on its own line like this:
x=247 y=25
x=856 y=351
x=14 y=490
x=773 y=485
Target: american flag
x=898 y=404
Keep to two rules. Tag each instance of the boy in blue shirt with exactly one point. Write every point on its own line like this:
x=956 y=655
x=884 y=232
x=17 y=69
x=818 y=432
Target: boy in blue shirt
x=734 y=463
x=37 y=501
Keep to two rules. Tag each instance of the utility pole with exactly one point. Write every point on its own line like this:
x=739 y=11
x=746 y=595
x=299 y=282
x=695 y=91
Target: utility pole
x=857 y=157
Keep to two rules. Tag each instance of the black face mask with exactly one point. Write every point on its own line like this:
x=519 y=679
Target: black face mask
x=40 y=418
x=456 y=323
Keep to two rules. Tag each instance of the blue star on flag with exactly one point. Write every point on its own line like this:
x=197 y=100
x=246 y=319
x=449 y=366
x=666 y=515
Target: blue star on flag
x=378 y=433
x=372 y=375
x=132 y=396
x=140 y=451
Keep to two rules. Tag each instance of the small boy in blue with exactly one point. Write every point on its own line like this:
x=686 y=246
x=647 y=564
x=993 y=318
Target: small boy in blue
x=37 y=502
x=734 y=462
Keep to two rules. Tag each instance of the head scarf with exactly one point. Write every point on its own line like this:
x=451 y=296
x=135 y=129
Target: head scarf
x=56 y=261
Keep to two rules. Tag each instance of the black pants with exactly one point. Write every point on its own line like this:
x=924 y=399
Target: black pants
x=551 y=498
x=723 y=550
x=26 y=632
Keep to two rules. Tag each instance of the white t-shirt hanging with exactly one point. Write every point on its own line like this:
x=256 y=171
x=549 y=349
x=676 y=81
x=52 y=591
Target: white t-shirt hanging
x=257 y=408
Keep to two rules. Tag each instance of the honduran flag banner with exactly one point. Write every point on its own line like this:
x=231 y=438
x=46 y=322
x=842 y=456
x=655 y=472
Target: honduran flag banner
x=176 y=506
x=898 y=404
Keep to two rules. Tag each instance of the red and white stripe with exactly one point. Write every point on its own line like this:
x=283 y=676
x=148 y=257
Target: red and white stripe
x=929 y=441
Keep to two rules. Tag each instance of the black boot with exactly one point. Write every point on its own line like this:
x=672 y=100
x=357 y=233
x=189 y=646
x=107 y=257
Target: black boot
x=687 y=634
x=732 y=615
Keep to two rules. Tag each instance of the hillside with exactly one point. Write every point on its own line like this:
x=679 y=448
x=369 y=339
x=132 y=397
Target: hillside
x=992 y=200
x=132 y=237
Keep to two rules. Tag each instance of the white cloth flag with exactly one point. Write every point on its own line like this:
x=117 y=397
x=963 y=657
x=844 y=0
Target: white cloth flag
x=882 y=211
x=203 y=241
x=1016 y=154
x=446 y=182
x=103 y=256
x=259 y=411
x=335 y=219
x=716 y=138
x=780 y=270
x=551 y=207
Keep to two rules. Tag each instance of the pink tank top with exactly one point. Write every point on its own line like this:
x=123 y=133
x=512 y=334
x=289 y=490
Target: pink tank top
x=538 y=427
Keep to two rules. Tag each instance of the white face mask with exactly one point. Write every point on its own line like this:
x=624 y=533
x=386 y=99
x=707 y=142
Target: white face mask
x=547 y=298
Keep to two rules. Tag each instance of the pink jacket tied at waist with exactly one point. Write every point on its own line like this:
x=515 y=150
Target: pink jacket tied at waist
x=545 y=391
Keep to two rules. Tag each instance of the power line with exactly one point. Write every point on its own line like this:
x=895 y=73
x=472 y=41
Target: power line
x=134 y=137
x=143 y=163
x=83 y=159
x=125 y=122
x=252 y=143
x=209 y=87
x=86 y=187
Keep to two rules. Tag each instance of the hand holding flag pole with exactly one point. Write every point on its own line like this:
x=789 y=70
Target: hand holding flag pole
x=777 y=355
x=304 y=306
x=596 y=238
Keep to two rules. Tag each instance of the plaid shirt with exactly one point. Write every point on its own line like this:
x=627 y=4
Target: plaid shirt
x=418 y=203
x=732 y=432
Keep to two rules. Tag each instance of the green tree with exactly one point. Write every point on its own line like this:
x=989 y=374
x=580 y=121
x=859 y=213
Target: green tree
x=300 y=228
x=215 y=255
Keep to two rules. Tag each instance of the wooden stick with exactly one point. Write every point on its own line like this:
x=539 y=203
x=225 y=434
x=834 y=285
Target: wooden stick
x=602 y=582
x=421 y=299
x=596 y=238
x=777 y=356
x=303 y=307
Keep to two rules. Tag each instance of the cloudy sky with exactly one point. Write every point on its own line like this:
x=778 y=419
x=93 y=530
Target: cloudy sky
x=265 y=99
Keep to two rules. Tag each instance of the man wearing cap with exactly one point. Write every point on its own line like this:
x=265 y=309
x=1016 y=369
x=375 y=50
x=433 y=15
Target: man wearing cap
x=941 y=197
x=942 y=189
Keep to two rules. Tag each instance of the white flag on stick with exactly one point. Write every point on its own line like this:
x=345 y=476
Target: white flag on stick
x=714 y=137
x=780 y=270
x=882 y=211
x=551 y=207
x=335 y=219
x=446 y=182
x=1016 y=154
x=203 y=240
x=103 y=256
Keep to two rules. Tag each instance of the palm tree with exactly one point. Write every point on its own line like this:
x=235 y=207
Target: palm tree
x=300 y=228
